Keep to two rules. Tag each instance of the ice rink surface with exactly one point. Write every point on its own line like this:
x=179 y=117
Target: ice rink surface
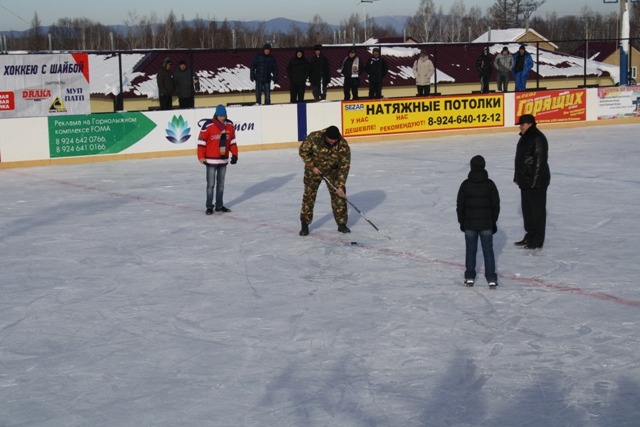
x=123 y=304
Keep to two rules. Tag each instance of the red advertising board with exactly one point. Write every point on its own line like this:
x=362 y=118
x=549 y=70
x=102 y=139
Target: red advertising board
x=553 y=106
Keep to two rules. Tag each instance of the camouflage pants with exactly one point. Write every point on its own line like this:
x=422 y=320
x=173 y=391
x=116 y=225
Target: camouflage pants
x=311 y=184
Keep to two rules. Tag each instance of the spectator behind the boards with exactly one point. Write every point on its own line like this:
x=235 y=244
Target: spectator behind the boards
x=522 y=64
x=185 y=82
x=503 y=63
x=423 y=70
x=165 y=85
x=263 y=71
x=297 y=71
x=377 y=68
x=319 y=76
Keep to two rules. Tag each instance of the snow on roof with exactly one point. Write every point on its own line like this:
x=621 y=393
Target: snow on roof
x=509 y=35
x=104 y=72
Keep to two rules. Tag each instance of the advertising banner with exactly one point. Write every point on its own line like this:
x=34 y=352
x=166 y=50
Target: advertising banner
x=361 y=118
x=618 y=102
x=140 y=132
x=552 y=106
x=44 y=85
x=88 y=135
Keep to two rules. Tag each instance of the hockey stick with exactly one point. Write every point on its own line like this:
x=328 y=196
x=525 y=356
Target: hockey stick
x=333 y=187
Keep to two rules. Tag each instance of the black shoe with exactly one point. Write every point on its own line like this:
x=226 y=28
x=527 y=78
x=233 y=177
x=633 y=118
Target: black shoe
x=522 y=242
x=223 y=209
x=209 y=211
x=343 y=228
x=304 y=231
x=532 y=246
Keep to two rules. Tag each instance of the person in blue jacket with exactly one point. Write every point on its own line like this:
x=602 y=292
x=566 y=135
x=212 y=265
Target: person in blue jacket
x=263 y=71
x=522 y=64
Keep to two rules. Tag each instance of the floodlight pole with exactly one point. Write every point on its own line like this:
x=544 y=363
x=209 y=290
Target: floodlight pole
x=624 y=40
x=364 y=13
x=624 y=43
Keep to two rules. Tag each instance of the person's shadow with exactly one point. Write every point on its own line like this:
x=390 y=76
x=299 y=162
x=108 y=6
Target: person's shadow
x=364 y=200
x=270 y=185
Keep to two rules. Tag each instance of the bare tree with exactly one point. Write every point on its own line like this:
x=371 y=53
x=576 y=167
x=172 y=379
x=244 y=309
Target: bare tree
x=223 y=36
x=167 y=31
x=501 y=15
x=294 y=37
x=513 y=13
x=36 y=36
x=199 y=33
x=457 y=21
x=318 y=31
x=379 y=31
x=352 y=28
x=134 y=30
x=421 y=24
x=476 y=23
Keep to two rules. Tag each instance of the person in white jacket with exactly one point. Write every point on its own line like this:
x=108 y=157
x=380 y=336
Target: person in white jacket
x=423 y=70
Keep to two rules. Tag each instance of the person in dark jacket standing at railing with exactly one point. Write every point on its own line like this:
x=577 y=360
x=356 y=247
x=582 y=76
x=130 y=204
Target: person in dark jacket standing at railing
x=165 y=85
x=263 y=71
x=483 y=65
x=350 y=69
x=185 y=82
x=532 y=175
x=298 y=71
x=376 y=67
x=319 y=74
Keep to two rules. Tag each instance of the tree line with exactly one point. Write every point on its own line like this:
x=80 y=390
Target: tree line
x=458 y=24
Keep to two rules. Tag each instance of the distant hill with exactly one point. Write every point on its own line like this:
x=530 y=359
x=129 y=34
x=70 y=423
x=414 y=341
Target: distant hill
x=272 y=25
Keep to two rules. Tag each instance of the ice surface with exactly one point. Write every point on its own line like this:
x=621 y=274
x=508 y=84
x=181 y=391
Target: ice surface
x=123 y=304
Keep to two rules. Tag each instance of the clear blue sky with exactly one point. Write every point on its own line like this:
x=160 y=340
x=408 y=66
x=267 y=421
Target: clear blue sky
x=17 y=14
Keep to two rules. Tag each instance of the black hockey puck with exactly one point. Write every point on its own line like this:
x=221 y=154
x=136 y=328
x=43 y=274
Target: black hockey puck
x=354 y=243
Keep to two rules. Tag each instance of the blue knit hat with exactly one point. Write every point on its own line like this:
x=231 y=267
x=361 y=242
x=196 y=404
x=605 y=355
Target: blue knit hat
x=220 y=111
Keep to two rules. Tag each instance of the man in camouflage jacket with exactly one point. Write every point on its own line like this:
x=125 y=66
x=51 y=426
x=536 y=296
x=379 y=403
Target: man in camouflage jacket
x=325 y=153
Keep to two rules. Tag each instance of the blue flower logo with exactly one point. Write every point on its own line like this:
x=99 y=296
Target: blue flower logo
x=178 y=130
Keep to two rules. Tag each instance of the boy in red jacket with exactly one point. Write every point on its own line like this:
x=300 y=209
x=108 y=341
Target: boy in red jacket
x=217 y=139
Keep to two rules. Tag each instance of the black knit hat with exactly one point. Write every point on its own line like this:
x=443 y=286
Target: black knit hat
x=477 y=163
x=526 y=118
x=333 y=132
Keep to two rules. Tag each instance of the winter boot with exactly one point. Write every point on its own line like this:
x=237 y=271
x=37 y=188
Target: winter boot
x=343 y=228
x=304 y=231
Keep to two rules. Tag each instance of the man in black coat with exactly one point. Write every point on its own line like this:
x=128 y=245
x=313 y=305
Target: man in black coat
x=376 y=68
x=532 y=175
x=484 y=67
x=478 y=208
x=319 y=74
x=298 y=71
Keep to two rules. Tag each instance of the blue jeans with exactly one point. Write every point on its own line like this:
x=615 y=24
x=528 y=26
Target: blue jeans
x=266 y=88
x=521 y=81
x=486 y=240
x=215 y=173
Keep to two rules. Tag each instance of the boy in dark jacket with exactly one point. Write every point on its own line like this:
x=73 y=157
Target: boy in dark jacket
x=478 y=207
